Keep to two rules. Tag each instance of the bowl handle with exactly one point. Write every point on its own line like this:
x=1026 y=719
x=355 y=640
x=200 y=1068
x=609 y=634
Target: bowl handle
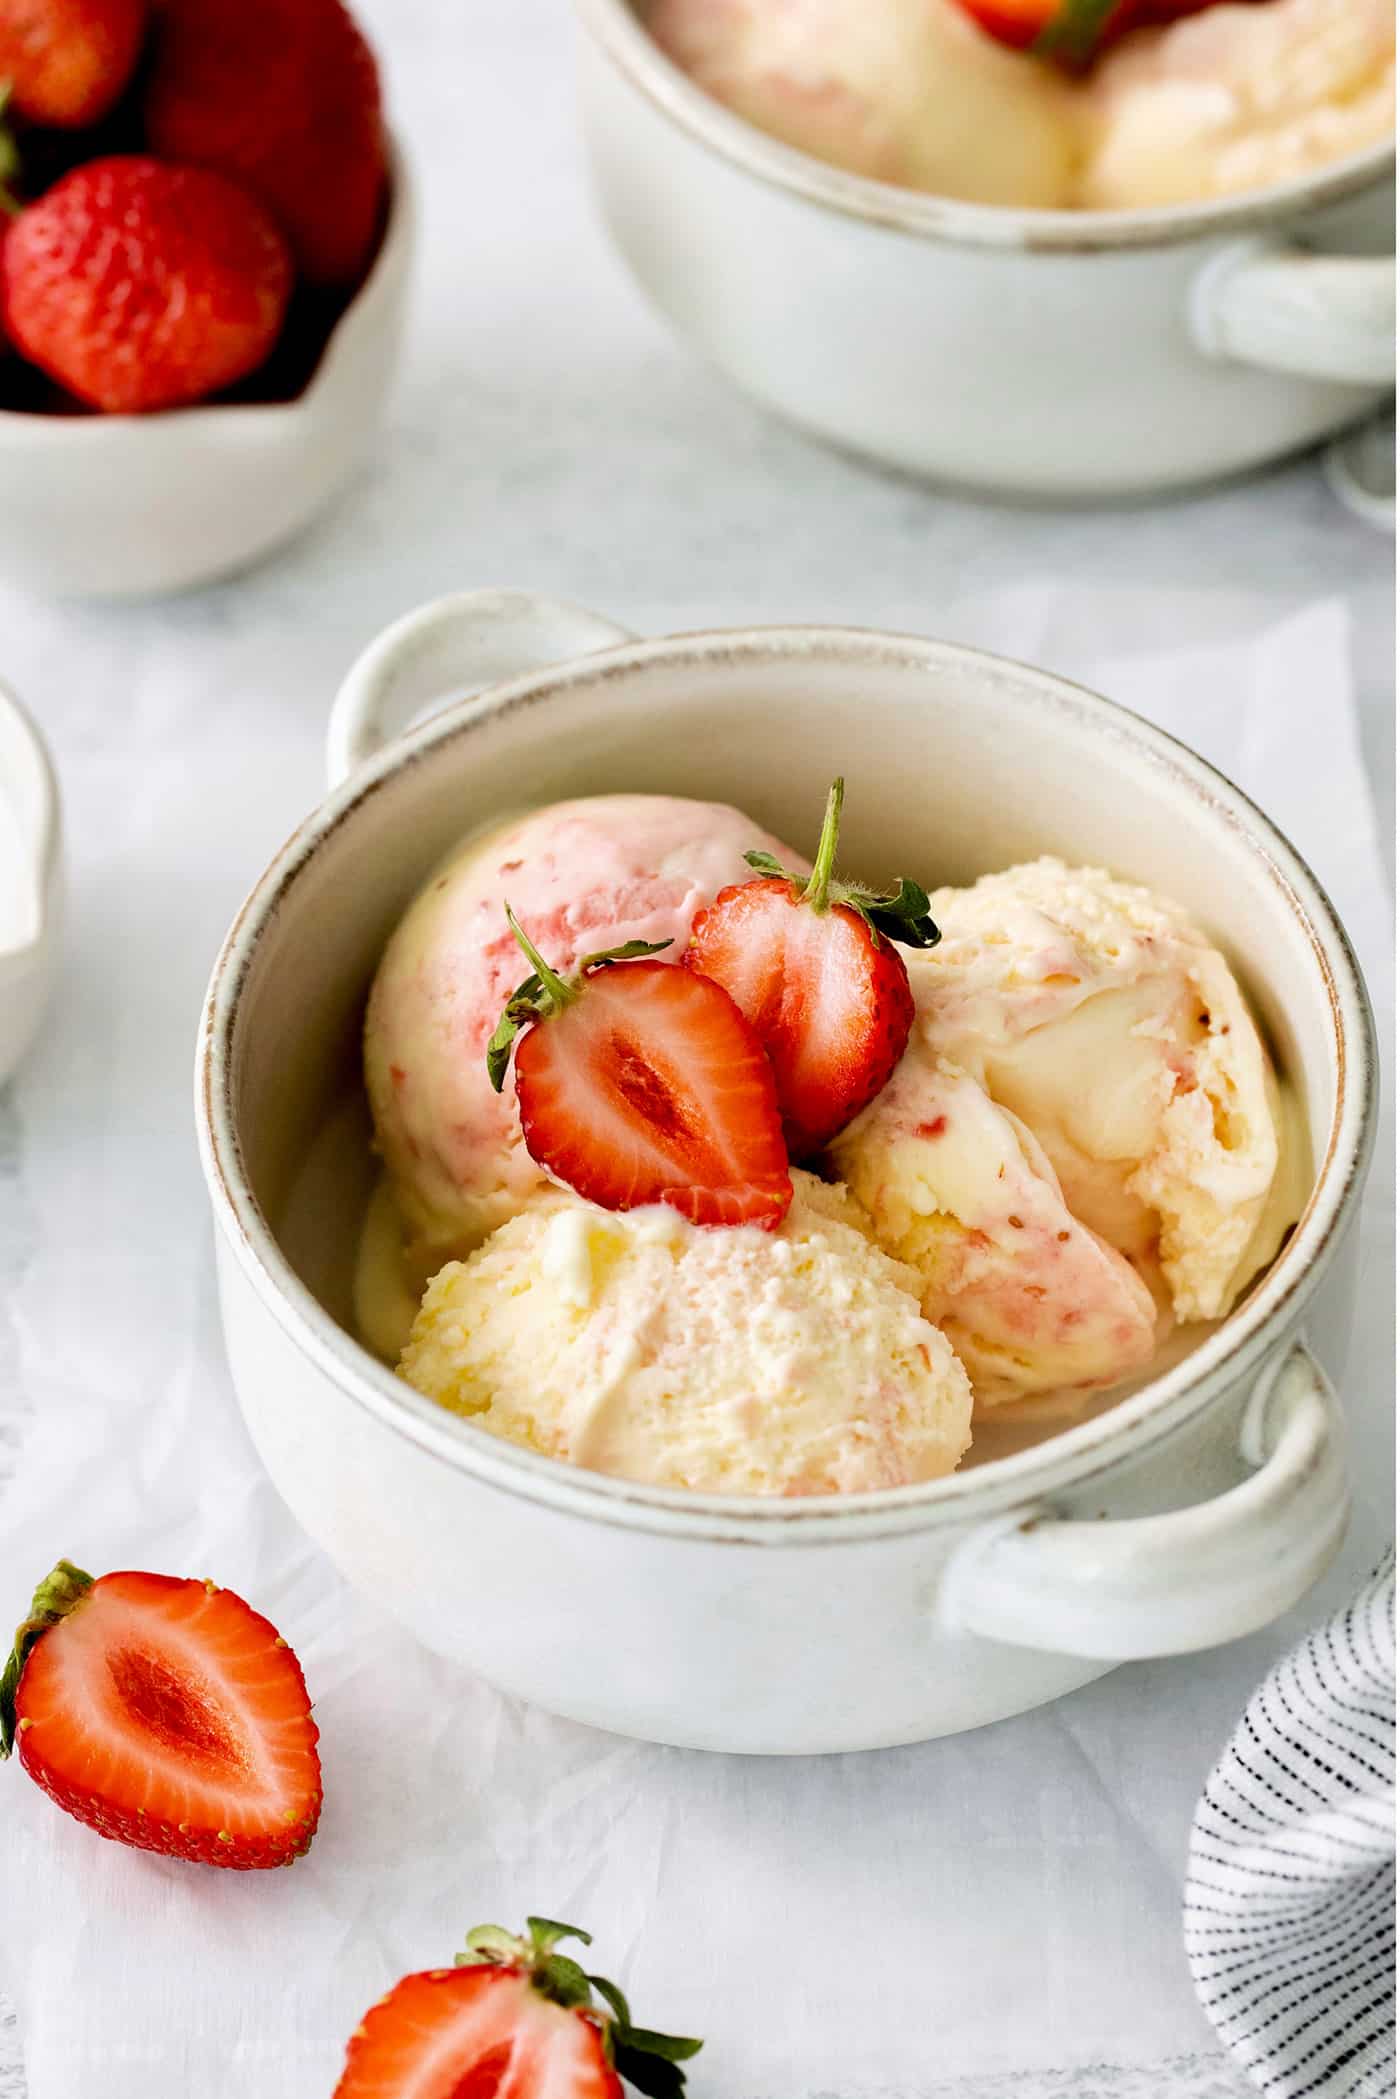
x=1270 y=304
x=447 y=650
x=1195 y=1577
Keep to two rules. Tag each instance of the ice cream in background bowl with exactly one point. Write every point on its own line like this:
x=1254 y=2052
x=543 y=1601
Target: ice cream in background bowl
x=934 y=95
x=1080 y=1158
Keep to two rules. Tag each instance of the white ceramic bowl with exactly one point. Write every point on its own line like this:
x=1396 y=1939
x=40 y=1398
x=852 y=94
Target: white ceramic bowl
x=134 y=505
x=1048 y=354
x=1191 y=1512
x=31 y=880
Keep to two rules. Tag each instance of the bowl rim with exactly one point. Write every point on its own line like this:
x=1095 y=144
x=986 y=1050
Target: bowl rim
x=1242 y=1343
x=622 y=38
x=21 y=428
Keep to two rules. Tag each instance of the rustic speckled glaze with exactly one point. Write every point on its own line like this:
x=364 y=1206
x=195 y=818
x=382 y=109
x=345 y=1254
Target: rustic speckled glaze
x=1193 y=1511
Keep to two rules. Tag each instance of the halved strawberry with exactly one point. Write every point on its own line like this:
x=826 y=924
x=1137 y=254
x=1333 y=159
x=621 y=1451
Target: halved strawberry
x=165 y=1714
x=810 y=964
x=640 y=1083
x=512 y=2020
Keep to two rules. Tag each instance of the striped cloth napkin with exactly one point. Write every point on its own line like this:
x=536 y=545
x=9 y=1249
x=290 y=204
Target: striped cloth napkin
x=1290 y=1892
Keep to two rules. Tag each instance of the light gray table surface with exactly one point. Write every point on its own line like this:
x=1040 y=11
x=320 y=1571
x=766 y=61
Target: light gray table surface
x=547 y=432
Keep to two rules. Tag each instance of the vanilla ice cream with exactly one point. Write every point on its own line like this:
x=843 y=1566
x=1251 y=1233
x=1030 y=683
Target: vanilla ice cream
x=724 y=1360
x=581 y=876
x=1237 y=98
x=907 y=91
x=1084 y=1124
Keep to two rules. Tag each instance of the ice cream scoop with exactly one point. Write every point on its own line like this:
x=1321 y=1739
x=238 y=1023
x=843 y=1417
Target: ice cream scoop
x=734 y=1361
x=1237 y=98
x=907 y=91
x=1032 y=1300
x=1097 y=1013
x=581 y=876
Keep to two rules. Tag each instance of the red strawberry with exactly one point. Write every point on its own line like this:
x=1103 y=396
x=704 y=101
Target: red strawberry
x=166 y=1714
x=638 y=1083
x=1072 y=29
x=512 y=2020
x=67 y=61
x=140 y=286
x=810 y=965
x=283 y=95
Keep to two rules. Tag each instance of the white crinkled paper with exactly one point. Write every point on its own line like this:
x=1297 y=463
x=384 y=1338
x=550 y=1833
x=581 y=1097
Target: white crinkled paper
x=993 y=1915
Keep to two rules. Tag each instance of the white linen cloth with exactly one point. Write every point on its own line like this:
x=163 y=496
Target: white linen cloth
x=996 y=1916
x=1290 y=1896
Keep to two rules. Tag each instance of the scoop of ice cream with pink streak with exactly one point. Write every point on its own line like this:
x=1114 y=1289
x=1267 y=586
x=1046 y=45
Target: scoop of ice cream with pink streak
x=580 y=876
x=907 y=91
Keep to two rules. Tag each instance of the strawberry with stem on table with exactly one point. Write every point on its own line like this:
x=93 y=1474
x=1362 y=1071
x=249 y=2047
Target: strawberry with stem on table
x=639 y=1083
x=165 y=1714
x=513 y=2019
x=810 y=962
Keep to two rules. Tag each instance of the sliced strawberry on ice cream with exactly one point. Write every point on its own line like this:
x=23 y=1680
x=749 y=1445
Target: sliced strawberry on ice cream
x=514 y=2019
x=638 y=1082
x=810 y=963
x=1071 y=29
x=165 y=1714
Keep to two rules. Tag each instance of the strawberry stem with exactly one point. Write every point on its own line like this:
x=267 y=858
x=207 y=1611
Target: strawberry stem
x=54 y=1598
x=563 y=994
x=816 y=892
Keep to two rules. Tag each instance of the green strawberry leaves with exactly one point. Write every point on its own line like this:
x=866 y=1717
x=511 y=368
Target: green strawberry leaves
x=545 y=993
x=1073 y=33
x=647 y=2060
x=54 y=1598
x=899 y=914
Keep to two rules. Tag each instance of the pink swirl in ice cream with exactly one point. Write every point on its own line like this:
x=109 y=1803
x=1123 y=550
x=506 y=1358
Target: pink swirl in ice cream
x=581 y=876
x=1085 y=1108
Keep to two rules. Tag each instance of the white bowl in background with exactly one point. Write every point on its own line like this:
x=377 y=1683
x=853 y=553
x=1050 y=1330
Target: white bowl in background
x=31 y=880
x=136 y=505
x=1042 y=354
x=1190 y=1512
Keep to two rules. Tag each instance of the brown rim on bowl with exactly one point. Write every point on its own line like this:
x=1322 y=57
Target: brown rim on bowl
x=622 y=38
x=1239 y=1345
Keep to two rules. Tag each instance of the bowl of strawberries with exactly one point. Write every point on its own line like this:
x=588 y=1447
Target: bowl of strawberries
x=204 y=272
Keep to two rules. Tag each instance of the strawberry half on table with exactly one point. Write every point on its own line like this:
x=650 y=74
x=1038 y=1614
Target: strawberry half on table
x=165 y=1714
x=809 y=962
x=639 y=1083
x=514 y=2019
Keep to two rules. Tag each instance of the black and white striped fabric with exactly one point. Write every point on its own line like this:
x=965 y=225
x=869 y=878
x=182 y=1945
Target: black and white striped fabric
x=1290 y=1893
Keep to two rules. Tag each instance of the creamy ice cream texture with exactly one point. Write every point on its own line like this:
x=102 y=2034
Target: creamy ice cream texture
x=906 y=91
x=1078 y=1147
x=730 y=1361
x=912 y=92
x=1085 y=1103
x=1236 y=99
x=581 y=876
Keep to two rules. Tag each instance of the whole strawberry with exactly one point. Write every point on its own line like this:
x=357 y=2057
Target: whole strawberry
x=514 y=2019
x=67 y=61
x=282 y=95
x=141 y=286
x=164 y=1714
x=810 y=965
